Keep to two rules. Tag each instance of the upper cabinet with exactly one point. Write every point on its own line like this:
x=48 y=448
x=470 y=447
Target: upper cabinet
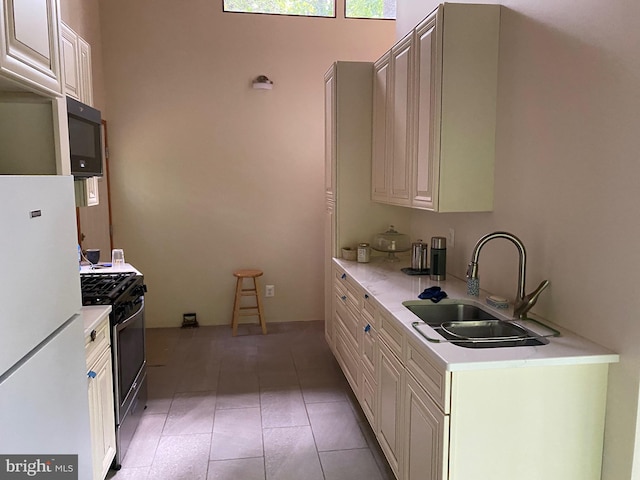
x=29 y=52
x=76 y=65
x=437 y=148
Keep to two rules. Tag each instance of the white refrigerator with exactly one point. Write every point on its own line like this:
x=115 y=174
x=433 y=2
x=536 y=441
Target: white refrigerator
x=43 y=378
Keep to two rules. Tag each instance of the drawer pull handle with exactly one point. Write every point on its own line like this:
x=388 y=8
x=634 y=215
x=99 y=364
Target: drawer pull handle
x=344 y=275
x=343 y=297
x=92 y=374
x=367 y=328
x=366 y=296
x=94 y=334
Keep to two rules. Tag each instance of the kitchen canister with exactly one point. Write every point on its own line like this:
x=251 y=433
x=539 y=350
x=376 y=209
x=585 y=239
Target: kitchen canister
x=364 y=253
x=419 y=255
x=438 y=258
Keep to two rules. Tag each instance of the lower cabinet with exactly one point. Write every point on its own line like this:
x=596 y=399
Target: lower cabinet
x=101 y=407
x=436 y=424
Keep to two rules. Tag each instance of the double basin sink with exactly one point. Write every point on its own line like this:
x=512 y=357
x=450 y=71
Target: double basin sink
x=470 y=326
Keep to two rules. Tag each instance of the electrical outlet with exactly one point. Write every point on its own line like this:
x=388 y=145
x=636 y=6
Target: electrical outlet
x=452 y=238
x=269 y=290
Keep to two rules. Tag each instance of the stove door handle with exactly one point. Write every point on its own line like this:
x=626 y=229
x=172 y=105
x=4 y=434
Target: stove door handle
x=124 y=323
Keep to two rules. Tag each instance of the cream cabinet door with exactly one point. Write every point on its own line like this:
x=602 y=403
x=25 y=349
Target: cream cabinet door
x=29 y=52
x=379 y=177
x=390 y=427
x=400 y=111
x=76 y=65
x=426 y=435
x=101 y=413
x=70 y=62
x=424 y=188
x=86 y=77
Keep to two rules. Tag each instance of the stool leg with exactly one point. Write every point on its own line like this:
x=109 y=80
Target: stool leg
x=236 y=307
x=263 y=323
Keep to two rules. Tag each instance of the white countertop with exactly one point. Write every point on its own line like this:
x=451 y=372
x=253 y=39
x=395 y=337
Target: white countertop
x=100 y=268
x=390 y=287
x=92 y=315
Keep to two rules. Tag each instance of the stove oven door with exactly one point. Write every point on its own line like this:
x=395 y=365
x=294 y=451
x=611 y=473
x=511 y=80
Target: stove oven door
x=129 y=358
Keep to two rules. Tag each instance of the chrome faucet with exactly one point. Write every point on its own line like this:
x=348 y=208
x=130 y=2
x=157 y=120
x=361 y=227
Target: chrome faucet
x=523 y=302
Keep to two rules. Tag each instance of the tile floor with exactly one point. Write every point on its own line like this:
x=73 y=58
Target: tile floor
x=251 y=407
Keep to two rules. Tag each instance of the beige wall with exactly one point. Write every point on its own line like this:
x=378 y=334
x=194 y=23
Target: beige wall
x=209 y=175
x=567 y=171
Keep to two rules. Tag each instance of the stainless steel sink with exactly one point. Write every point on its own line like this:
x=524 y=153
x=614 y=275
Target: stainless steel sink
x=470 y=326
x=435 y=314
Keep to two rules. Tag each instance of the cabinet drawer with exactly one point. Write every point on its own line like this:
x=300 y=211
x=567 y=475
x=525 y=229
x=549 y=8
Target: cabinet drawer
x=391 y=333
x=348 y=359
x=433 y=378
x=354 y=294
x=93 y=348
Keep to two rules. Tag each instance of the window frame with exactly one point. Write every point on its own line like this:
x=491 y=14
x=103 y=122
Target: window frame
x=335 y=13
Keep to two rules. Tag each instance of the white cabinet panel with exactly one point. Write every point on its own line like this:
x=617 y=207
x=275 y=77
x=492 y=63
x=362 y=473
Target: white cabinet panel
x=390 y=379
x=29 y=52
x=76 y=65
x=381 y=134
x=400 y=165
x=426 y=436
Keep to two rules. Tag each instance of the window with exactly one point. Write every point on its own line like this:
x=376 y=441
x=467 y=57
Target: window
x=370 y=9
x=309 y=8
x=385 y=9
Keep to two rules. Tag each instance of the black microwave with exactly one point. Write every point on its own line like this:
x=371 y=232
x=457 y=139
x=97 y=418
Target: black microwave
x=85 y=139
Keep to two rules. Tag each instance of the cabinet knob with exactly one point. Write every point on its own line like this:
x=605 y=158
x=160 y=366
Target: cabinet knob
x=366 y=296
x=92 y=374
x=344 y=275
x=94 y=334
x=343 y=297
x=367 y=328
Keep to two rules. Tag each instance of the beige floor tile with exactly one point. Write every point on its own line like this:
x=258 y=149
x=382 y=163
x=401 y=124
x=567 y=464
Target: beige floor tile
x=282 y=407
x=190 y=413
x=356 y=464
x=181 y=457
x=237 y=433
x=290 y=454
x=238 y=389
x=142 y=448
x=241 y=469
x=335 y=427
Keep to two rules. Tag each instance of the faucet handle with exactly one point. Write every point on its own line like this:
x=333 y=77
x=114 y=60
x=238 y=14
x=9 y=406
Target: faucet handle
x=523 y=306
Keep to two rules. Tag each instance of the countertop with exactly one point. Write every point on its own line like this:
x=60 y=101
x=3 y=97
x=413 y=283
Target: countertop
x=390 y=287
x=92 y=315
x=100 y=268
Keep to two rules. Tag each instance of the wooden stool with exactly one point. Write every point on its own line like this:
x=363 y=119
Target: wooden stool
x=255 y=310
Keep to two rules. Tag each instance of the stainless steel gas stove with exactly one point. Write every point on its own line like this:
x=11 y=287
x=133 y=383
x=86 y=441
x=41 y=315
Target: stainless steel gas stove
x=124 y=291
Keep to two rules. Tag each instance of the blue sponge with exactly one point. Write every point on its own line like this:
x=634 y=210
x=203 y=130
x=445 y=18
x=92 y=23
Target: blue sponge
x=435 y=294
